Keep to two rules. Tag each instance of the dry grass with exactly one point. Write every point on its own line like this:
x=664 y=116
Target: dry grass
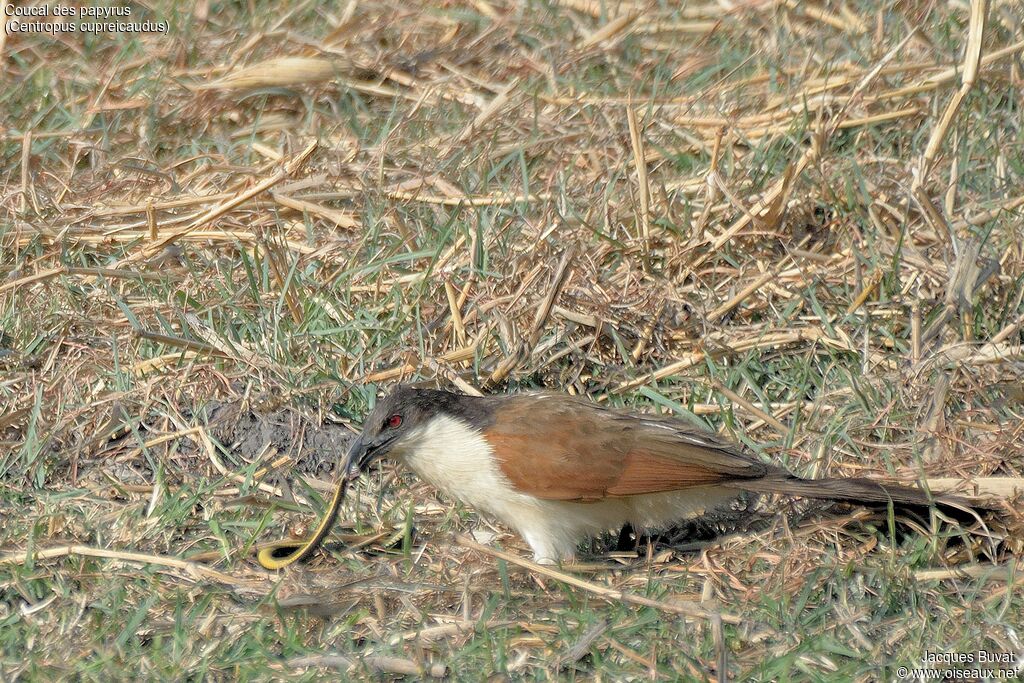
x=798 y=223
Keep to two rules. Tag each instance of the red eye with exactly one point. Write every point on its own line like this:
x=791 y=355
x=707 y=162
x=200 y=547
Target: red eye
x=395 y=421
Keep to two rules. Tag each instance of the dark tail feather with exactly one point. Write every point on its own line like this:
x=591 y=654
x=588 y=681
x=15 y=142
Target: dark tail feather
x=859 y=491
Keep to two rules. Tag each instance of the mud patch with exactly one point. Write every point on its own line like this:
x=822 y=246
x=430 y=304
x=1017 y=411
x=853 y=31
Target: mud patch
x=316 y=447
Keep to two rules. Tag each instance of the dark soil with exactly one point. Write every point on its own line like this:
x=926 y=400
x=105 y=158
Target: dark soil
x=316 y=447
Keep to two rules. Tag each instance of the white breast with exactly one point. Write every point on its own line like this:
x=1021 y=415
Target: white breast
x=455 y=457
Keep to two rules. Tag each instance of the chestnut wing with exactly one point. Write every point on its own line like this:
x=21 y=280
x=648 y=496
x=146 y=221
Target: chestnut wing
x=559 y=448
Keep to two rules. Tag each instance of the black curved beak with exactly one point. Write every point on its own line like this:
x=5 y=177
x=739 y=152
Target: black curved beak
x=362 y=452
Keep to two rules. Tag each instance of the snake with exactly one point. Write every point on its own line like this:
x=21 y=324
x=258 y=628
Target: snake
x=283 y=553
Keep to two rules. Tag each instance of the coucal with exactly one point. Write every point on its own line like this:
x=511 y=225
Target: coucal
x=558 y=469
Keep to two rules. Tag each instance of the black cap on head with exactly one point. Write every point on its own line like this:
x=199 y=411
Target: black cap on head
x=401 y=412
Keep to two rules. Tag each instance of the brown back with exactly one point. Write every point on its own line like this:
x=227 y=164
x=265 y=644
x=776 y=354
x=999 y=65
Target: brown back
x=560 y=448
